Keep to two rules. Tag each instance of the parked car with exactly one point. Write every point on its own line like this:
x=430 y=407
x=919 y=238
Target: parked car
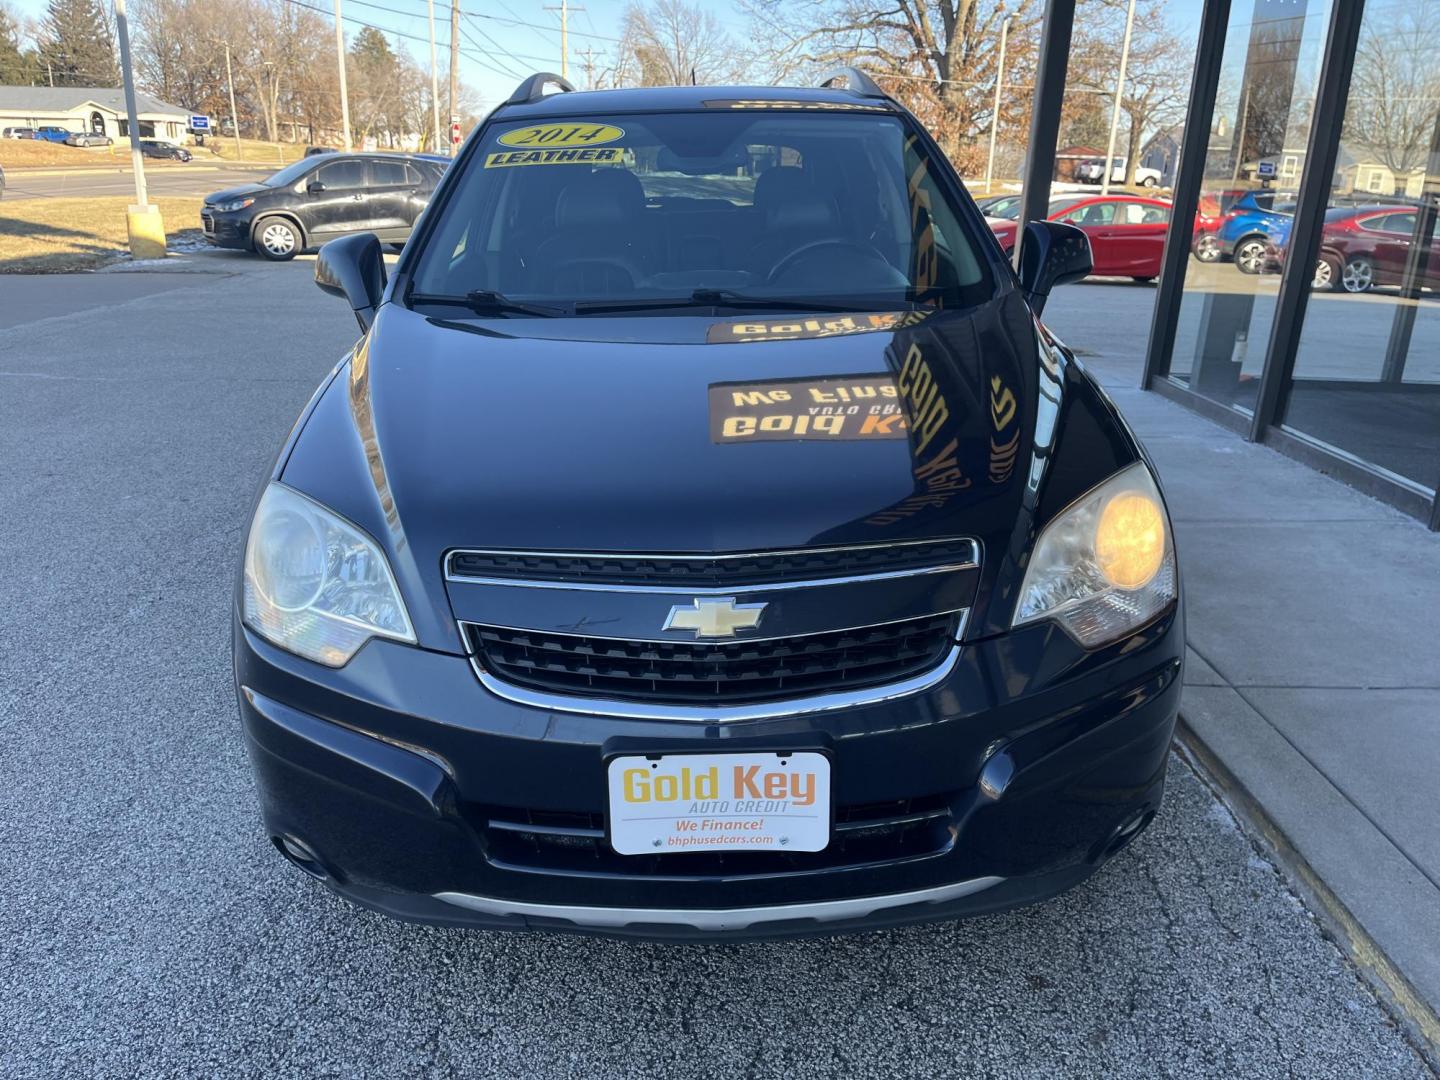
x=1363 y=247
x=1255 y=225
x=319 y=198
x=17 y=133
x=1127 y=232
x=1093 y=172
x=159 y=148
x=50 y=133
x=1209 y=217
x=729 y=562
x=88 y=138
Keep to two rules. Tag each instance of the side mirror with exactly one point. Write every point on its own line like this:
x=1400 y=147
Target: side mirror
x=1052 y=253
x=353 y=267
x=314 y=187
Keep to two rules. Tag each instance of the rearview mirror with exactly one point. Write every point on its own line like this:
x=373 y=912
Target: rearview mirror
x=353 y=267
x=314 y=187
x=1052 y=253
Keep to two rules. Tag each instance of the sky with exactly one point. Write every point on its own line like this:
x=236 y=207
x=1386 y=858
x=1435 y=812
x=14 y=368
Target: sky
x=501 y=41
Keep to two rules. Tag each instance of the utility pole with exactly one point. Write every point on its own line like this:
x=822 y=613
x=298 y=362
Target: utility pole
x=344 y=93
x=142 y=221
x=454 y=72
x=434 y=79
x=234 y=116
x=564 y=8
x=995 y=109
x=1119 y=95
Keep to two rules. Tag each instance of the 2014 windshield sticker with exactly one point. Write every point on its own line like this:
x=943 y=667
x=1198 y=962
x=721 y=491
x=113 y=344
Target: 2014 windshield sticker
x=550 y=136
x=589 y=155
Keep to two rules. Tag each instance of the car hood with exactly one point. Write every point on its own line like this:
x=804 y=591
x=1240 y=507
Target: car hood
x=683 y=434
x=236 y=193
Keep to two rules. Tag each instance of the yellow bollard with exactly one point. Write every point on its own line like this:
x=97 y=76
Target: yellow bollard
x=147 y=232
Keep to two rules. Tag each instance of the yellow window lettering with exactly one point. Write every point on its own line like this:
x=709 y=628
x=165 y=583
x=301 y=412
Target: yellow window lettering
x=759 y=397
x=737 y=427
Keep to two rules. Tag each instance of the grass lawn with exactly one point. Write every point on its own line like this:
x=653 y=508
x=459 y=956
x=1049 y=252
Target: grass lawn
x=48 y=236
x=32 y=153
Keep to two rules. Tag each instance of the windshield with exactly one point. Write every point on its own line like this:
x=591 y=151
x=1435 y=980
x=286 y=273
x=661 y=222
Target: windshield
x=289 y=174
x=752 y=202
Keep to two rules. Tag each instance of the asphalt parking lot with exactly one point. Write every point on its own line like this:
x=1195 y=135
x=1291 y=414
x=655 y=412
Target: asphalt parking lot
x=148 y=929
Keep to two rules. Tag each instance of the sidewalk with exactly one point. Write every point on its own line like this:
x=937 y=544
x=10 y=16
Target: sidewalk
x=1313 y=679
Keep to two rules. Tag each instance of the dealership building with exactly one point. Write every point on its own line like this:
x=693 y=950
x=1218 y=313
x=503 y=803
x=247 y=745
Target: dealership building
x=1330 y=354
x=97 y=109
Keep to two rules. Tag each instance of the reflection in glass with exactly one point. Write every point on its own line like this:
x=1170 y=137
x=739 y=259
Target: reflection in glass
x=1367 y=373
x=1254 y=165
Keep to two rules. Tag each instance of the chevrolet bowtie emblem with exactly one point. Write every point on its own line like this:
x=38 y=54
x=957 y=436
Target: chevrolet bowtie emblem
x=717 y=617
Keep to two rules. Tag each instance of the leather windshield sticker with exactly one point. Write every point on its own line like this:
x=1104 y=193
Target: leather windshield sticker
x=578 y=155
x=822 y=409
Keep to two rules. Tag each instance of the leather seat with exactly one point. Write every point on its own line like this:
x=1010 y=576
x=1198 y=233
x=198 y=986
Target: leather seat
x=599 y=246
x=792 y=213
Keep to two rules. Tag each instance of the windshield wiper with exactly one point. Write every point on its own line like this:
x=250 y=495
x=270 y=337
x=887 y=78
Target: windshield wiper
x=489 y=302
x=730 y=298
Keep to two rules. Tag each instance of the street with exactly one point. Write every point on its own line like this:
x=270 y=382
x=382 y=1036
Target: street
x=149 y=928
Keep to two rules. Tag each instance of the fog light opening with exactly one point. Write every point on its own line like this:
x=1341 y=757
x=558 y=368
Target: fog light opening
x=300 y=853
x=1123 y=835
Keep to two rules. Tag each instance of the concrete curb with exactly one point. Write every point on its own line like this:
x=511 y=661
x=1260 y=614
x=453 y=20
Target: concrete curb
x=1409 y=1009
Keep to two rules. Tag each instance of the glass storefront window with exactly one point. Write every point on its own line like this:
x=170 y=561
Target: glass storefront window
x=1366 y=380
x=1254 y=166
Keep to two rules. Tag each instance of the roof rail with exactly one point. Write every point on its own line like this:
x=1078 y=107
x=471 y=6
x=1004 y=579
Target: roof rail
x=856 y=81
x=533 y=88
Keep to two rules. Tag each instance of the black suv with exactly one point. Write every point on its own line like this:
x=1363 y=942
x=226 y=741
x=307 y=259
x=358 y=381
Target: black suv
x=706 y=539
x=321 y=197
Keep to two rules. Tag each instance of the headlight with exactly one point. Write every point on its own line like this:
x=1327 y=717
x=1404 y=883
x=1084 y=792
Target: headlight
x=1104 y=566
x=233 y=204
x=315 y=584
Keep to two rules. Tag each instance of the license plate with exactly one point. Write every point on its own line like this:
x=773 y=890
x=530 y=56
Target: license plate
x=662 y=804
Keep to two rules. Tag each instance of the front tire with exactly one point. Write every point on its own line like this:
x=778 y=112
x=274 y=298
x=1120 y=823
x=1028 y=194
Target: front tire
x=1250 y=255
x=1149 y=181
x=1207 y=248
x=277 y=239
x=1327 y=274
x=1358 y=275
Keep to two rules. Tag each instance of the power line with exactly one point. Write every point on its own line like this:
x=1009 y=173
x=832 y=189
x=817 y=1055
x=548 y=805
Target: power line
x=396 y=33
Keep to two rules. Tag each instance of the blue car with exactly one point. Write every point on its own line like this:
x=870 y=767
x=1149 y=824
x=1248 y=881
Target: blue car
x=1255 y=227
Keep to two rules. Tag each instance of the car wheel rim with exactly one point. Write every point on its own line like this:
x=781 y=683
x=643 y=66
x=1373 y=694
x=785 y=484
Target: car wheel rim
x=1250 y=257
x=278 y=239
x=1323 y=274
x=1358 y=276
x=1208 y=249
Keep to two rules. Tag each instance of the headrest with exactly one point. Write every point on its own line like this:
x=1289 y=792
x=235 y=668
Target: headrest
x=603 y=197
x=783 y=183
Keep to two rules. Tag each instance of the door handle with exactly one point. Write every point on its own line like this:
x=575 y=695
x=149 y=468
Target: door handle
x=357 y=197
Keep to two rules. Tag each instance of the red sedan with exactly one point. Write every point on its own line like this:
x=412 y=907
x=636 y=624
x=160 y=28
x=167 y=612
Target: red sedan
x=1365 y=246
x=1127 y=232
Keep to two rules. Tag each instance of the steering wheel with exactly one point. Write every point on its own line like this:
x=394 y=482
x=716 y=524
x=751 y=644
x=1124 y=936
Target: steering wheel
x=805 y=251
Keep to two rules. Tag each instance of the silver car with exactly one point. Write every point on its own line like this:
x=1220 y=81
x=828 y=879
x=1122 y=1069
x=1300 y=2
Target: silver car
x=88 y=138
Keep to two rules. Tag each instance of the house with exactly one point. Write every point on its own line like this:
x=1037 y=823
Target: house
x=1162 y=153
x=91 y=108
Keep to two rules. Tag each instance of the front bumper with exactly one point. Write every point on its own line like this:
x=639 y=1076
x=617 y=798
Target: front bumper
x=386 y=779
x=227 y=230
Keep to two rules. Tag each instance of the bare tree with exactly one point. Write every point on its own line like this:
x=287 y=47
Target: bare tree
x=939 y=57
x=1157 y=74
x=671 y=43
x=1395 y=88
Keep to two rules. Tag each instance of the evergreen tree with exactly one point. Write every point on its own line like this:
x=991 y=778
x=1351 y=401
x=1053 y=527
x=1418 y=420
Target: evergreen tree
x=78 y=45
